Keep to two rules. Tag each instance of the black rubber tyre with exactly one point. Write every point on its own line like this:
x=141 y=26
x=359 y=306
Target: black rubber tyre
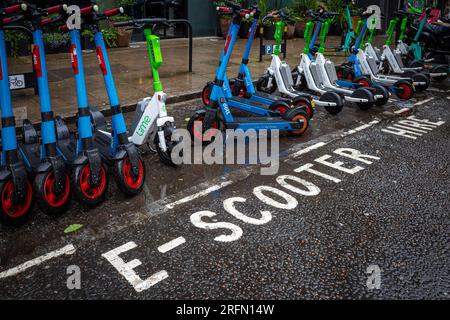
x=302 y=84
x=166 y=156
x=83 y=191
x=263 y=82
x=404 y=90
x=47 y=201
x=306 y=104
x=129 y=185
x=440 y=69
x=336 y=98
x=420 y=77
x=206 y=92
x=297 y=114
x=15 y=214
x=197 y=135
x=380 y=90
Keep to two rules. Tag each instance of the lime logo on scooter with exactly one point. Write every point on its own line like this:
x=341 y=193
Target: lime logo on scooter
x=73 y=56
x=144 y=125
x=101 y=61
x=37 y=61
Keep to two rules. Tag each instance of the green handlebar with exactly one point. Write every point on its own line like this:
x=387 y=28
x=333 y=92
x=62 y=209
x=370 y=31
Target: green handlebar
x=279 y=30
x=323 y=35
x=308 y=35
x=390 y=31
x=154 y=52
x=403 y=28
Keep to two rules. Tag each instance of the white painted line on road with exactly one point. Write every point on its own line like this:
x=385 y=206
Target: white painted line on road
x=67 y=250
x=402 y=110
x=199 y=194
x=309 y=149
x=436 y=90
x=361 y=128
x=171 y=244
x=423 y=102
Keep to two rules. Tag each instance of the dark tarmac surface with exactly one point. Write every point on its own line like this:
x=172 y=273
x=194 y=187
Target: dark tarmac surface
x=393 y=214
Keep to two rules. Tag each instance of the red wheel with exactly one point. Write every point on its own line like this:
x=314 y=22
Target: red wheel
x=404 y=91
x=307 y=107
x=86 y=192
x=364 y=83
x=195 y=127
x=281 y=110
x=127 y=183
x=48 y=201
x=14 y=213
x=206 y=94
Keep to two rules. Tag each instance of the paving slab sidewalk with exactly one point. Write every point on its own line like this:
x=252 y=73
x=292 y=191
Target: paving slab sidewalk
x=131 y=70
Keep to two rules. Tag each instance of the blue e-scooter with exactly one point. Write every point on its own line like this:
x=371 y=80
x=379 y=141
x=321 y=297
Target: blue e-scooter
x=218 y=114
x=115 y=147
x=242 y=86
x=16 y=193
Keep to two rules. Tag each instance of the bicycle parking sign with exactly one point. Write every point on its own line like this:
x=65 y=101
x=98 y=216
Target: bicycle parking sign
x=17 y=82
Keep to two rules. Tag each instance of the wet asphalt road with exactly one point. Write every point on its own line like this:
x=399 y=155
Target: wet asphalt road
x=314 y=242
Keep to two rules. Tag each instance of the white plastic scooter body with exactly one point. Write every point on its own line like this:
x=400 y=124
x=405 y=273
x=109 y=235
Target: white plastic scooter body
x=154 y=116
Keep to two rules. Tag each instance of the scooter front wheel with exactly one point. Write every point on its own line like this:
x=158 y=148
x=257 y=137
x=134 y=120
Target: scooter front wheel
x=48 y=200
x=126 y=182
x=14 y=213
x=299 y=84
x=166 y=156
x=297 y=115
x=195 y=127
x=206 y=93
x=263 y=84
x=307 y=106
x=404 y=90
x=84 y=190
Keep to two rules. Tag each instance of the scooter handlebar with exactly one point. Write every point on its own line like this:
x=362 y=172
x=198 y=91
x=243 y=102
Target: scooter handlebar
x=89 y=10
x=114 y=12
x=15 y=8
x=56 y=9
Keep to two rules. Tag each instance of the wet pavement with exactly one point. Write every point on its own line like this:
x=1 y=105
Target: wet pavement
x=131 y=69
x=315 y=239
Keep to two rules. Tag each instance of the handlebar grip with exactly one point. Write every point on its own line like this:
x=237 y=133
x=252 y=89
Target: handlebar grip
x=7 y=20
x=16 y=8
x=89 y=10
x=233 y=5
x=113 y=12
x=46 y=21
x=224 y=10
x=56 y=9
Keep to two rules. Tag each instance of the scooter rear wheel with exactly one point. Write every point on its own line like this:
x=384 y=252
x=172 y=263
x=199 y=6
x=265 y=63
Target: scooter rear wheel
x=47 y=200
x=420 y=77
x=380 y=90
x=302 y=104
x=440 y=69
x=84 y=191
x=334 y=98
x=11 y=213
x=404 y=90
x=128 y=184
x=295 y=115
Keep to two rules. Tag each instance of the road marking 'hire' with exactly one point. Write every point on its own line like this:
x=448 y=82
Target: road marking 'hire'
x=199 y=194
x=67 y=250
x=171 y=244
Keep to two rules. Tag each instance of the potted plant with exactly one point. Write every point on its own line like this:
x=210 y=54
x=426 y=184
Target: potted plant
x=56 y=42
x=224 y=20
x=87 y=40
x=17 y=43
x=110 y=36
x=336 y=27
x=299 y=10
x=290 y=27
x=124 y=34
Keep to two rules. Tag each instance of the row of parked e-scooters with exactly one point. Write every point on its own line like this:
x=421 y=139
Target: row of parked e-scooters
x=51 y=168
x=285 y=98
